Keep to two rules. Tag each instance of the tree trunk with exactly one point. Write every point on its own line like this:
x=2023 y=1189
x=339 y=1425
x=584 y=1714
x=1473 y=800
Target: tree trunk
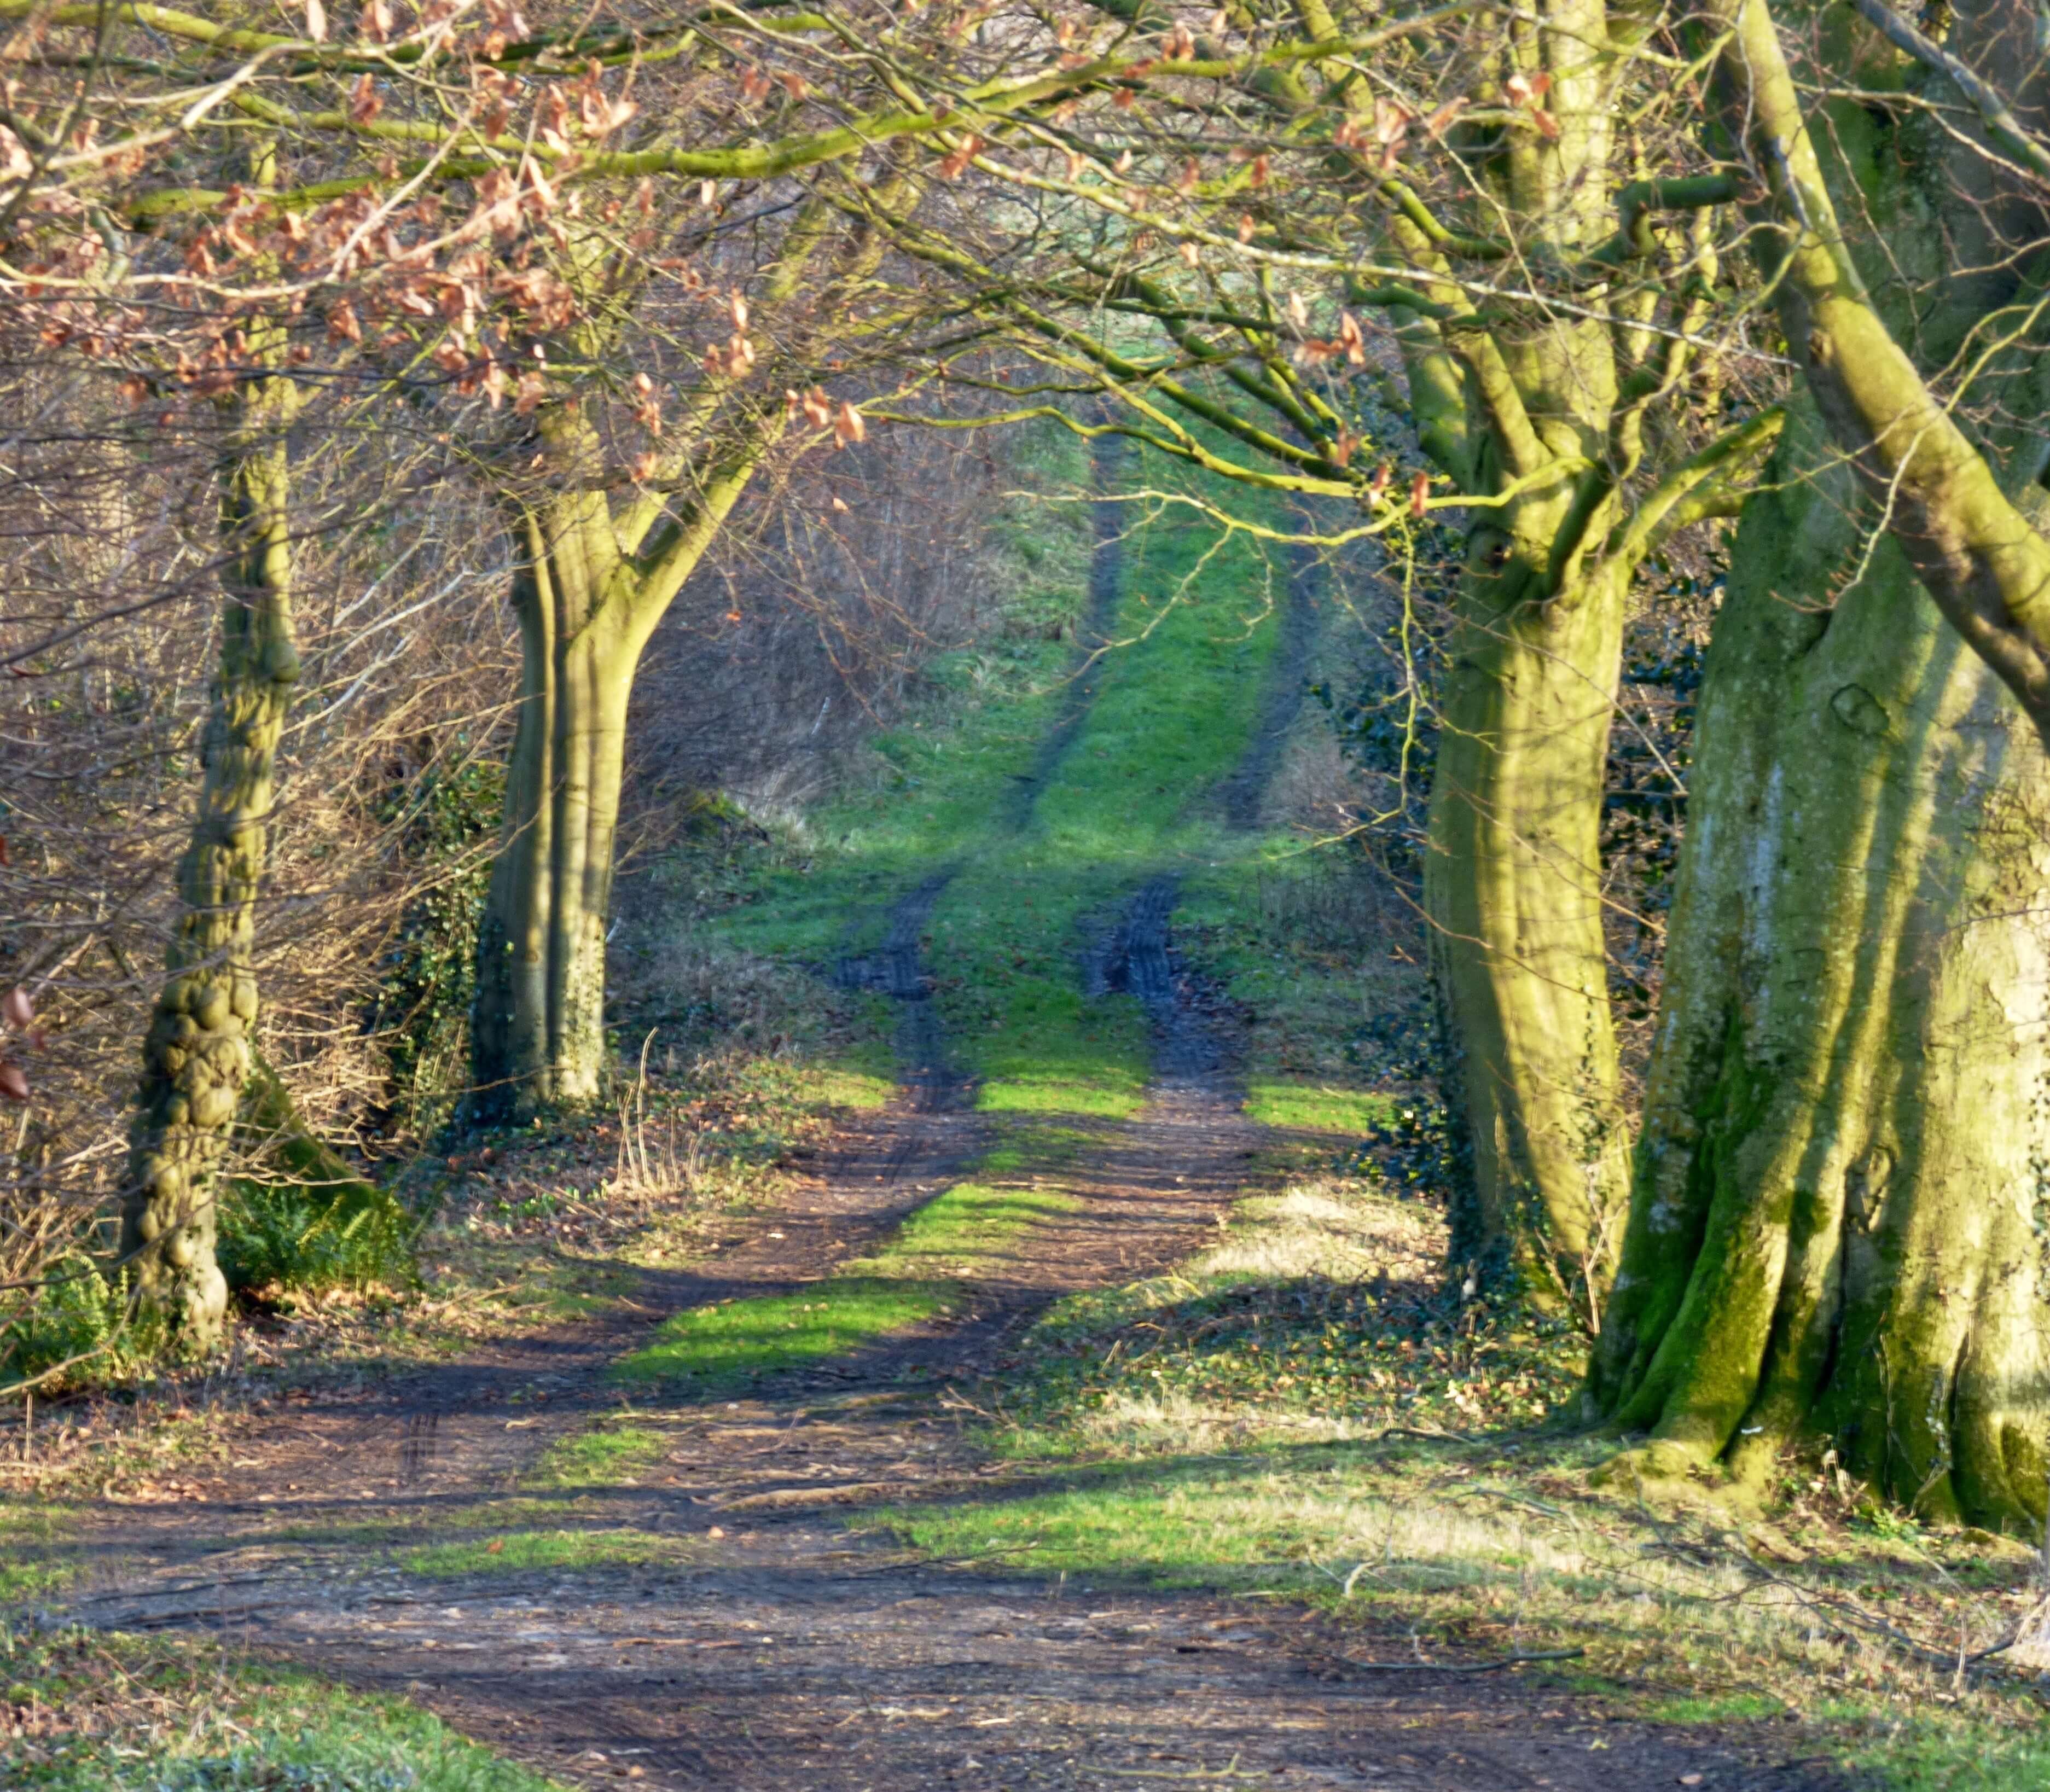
x=588 y=606
x=539 y=1017
x=1839 y=1217
x=1513 y=887
x=197 y=1054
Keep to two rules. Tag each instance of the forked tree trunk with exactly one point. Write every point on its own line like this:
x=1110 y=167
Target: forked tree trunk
x=592 y=587
x=588 y=602
x=1839 y=1220
x=197 y=1054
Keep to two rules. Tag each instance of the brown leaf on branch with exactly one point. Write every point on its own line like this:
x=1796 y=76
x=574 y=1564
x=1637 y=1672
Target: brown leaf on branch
x=16 y=1010
x=364 y=103
x=955 y=163
x=13 y=1085
x=848 y=426
x=1441 y=120
x=1350 y=336
x=1419 y=490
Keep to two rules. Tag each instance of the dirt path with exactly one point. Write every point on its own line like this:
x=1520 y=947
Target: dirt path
x=748 y=1639
x=772 y=1650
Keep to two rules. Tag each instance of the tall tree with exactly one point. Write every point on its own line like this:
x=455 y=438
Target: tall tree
x=1838 y=1225
x=197 y=1053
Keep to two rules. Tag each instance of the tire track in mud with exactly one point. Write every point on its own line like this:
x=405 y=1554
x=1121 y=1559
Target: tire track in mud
x=1098 y=629
x=756 y=1646
x=1137 y=955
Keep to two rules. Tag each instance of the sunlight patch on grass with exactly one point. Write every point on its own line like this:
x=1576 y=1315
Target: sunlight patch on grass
x=968 y=1224
x=1118 y=1095
x=1304 y=1107
x=739 y=1338
x=608 y=1456
x=514 y=1552
x=912 y=1280
x=181 y=1716
x=860 y=1090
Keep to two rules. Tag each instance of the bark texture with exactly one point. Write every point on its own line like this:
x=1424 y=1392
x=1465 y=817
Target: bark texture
x=1841 y=1202
x=1839 y=1219
x=1512 y=877
x=1512 y=885
x=197 y=1054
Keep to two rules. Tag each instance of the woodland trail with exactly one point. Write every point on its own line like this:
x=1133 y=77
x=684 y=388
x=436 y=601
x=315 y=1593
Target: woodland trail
x=711 y=1620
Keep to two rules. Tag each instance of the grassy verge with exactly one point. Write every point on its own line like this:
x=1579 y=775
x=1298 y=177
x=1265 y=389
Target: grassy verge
x=110 y=1713
x=1303 y=1412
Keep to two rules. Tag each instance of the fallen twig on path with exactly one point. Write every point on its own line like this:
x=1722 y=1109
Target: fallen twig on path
x=1464 y=1667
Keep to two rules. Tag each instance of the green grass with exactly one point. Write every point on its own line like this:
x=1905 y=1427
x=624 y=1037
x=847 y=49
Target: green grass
x=110 y=1713
x=968 y=1225
x=607 y=1456
x=916 y=1276
x=715 y=1345
x=37 y=1558
x=1306 y=1106
x=515 y=1552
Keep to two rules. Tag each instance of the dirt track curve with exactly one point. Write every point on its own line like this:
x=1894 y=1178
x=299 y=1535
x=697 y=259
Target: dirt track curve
x=776 y=1650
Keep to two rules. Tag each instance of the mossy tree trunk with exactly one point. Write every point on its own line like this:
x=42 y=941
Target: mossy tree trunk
x=1841 y=1197
x=197 y=1054
x=1513 y=887
x=1838 y=1228
x=589 y=592
x=1534 y=417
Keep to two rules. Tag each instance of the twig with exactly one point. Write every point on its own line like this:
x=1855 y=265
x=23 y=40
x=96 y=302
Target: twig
x=1464 y=1667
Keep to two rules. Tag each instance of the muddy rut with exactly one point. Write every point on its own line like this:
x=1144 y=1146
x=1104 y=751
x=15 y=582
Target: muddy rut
x=767 y=1645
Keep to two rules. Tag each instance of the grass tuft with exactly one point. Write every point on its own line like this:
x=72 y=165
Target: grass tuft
x=93 y=1712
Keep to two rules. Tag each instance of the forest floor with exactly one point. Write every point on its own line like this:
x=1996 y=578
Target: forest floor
x=1077 y=1405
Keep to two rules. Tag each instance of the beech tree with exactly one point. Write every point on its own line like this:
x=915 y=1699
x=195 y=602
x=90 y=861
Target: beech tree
x=1838 y=1230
